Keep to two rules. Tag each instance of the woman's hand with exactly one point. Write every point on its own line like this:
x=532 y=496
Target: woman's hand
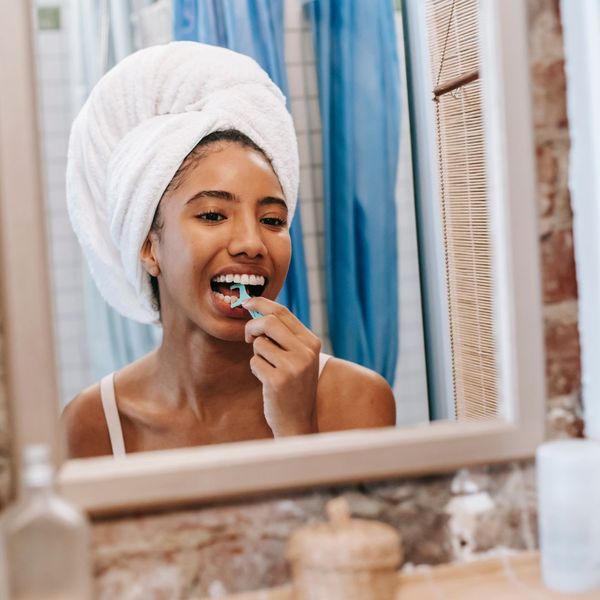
x=286 y=361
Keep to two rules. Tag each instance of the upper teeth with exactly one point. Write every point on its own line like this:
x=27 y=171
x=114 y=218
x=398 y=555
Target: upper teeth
x=245 y=279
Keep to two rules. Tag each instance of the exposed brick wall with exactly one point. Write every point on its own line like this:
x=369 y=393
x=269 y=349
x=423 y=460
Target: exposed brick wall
x=559 y=283
x=239 y=546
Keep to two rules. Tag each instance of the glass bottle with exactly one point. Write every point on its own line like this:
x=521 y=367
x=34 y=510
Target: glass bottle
x=45 y=540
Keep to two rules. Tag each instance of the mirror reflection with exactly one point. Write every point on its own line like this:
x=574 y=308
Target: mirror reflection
x=369 y=277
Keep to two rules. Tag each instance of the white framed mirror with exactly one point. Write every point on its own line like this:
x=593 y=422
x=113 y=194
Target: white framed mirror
x=174 y=476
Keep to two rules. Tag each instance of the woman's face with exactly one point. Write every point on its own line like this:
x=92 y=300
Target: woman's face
x=226 y=219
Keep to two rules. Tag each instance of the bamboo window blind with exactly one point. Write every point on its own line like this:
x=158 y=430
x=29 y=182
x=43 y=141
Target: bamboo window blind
x=454 y=48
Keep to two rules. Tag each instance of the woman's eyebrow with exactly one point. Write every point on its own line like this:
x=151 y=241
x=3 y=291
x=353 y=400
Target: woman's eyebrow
x=223 y=195
x=213 y=194
x=272 y=200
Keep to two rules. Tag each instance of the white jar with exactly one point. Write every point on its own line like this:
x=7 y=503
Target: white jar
x=568 y=478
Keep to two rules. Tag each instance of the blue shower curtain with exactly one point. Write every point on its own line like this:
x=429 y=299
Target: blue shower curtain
x=359 y=96
x=255 y=28
x=102 y=36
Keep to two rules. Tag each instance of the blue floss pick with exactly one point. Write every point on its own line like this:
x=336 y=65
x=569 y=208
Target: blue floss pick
x=244 y=296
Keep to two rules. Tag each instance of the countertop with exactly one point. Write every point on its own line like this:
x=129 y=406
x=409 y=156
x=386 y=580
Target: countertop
x=503 y=577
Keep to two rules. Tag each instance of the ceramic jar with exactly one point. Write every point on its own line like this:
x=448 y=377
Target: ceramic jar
x=345 y=558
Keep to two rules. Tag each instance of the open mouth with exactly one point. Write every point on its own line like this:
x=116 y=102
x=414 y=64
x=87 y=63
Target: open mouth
x=221 y=285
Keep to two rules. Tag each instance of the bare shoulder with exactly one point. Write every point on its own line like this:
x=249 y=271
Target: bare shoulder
x=84 y=425
x=350 y=396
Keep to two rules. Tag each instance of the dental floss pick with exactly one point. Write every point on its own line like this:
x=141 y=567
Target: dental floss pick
x=244 y=296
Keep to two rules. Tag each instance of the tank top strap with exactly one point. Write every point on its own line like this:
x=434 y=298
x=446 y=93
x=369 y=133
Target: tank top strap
x=111 y=414
x=323 y=358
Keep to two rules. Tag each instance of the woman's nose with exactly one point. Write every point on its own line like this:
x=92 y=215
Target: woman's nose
x=246 y=238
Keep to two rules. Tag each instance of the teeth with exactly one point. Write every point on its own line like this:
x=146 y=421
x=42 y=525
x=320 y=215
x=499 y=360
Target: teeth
x=228 y=299
x=245 y=279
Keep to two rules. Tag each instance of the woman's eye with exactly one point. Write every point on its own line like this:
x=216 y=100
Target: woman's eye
x=273 y=221
x=211 y=216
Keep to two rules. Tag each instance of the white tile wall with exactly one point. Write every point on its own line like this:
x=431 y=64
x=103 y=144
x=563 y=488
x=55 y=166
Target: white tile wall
x=64 y=254
x=410 y=387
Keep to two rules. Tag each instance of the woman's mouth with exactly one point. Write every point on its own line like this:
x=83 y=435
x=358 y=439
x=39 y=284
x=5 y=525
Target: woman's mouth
x=221 y=285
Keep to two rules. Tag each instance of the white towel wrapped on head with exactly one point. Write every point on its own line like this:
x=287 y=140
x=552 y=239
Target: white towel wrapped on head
x=139 y=123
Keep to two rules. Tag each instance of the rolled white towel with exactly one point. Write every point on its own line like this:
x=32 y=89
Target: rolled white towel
x=139 y=123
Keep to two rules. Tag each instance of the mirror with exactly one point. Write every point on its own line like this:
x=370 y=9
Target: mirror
x=444 y=365
x=158 y=479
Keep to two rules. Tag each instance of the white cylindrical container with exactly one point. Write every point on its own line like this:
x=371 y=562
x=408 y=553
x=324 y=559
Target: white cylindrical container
x=568 y=478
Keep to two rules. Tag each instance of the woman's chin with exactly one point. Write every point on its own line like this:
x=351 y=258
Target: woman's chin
x=223 y=322
x=238 y=339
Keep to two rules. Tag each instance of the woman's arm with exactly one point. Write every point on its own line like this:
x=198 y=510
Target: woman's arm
x=286 y=361
x=296 y=399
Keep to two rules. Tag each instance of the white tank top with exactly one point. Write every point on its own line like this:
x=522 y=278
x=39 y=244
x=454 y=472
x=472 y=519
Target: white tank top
x=111 y=412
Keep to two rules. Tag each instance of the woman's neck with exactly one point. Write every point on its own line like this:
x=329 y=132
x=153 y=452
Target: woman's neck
x=201 y=371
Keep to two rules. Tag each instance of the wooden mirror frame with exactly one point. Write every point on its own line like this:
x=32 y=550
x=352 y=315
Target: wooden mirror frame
x=164 y=478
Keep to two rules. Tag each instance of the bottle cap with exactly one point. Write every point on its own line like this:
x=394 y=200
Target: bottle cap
x=37 y=468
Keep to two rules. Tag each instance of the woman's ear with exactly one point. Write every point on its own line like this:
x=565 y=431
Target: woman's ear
x=148 y=255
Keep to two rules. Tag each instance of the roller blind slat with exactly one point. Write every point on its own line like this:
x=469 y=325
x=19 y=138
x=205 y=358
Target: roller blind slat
x=454 y=49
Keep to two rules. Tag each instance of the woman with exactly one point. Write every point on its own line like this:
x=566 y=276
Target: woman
x=219 y=375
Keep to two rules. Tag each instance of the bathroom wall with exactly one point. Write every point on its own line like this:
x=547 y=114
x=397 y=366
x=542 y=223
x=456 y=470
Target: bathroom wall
x=237 y=546
x=64 y=256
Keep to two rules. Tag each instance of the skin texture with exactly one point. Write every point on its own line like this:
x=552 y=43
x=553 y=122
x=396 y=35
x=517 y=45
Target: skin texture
x=216 y=378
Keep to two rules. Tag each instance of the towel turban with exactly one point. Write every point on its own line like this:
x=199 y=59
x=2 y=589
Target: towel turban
x=139 y=123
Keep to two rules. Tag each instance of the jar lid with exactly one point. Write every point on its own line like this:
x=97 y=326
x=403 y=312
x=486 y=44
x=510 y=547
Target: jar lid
x=345 y=543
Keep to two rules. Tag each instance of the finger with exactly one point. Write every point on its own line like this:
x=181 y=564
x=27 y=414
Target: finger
x=261 y=368
x=269 y=307
x=273 y=328
x=271 y=352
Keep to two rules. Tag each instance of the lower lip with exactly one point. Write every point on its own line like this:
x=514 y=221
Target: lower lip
x=239 y=312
